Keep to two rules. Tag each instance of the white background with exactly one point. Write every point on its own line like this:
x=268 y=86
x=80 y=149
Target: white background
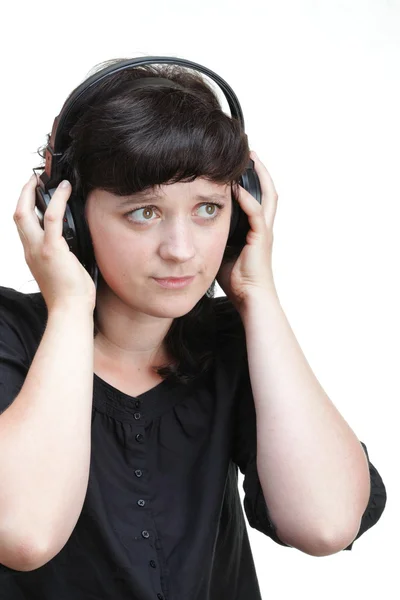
x=319 y=85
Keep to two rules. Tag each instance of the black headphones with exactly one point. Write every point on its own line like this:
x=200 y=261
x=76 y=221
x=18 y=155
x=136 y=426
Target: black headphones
x=75 y=229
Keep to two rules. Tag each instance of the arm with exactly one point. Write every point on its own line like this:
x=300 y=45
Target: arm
x=312 y=467
x=45 y=443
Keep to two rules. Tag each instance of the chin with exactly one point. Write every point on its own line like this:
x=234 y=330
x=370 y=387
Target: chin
x=172 y=307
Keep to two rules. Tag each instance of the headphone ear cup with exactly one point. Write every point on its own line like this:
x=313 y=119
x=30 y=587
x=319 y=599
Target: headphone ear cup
x=82 y=238
x=234 y=218
x=42 y=200
x=239 y=222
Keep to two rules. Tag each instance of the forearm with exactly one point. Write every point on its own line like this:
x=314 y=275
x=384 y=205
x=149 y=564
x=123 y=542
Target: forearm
x=45 y=436
x=311 y=465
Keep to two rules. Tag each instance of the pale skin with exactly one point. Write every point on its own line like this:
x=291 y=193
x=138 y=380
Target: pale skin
x=312 y=468
x=175 y=236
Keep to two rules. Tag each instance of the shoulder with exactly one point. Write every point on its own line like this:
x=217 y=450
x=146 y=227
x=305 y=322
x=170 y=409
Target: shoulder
x=22 y=323
x=21 y=315
x=230 y=332
x=19 y=302
x=228 y=320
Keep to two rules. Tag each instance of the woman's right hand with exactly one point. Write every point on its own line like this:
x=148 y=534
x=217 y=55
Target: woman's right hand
x=62 y=279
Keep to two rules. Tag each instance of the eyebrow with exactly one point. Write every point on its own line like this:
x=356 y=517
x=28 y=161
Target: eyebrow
x=147 y=196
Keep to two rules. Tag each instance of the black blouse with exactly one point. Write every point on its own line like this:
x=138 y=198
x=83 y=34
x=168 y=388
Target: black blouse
x=162 y=517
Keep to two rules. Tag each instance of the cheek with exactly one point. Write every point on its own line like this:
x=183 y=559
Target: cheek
x=115 y=252
x=215 y=250
x=217 y=244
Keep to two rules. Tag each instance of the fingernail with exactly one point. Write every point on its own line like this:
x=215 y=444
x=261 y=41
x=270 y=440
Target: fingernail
x=64 y=183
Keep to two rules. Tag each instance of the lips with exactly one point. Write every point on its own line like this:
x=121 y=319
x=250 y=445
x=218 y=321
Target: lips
x=174 y=282
x=174 y=278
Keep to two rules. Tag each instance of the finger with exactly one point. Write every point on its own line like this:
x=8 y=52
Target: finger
x=54 y=215
x=24 y=216
x=253 y=210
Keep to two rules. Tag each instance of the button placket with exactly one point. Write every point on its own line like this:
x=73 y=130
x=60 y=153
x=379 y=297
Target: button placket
x=140 y=439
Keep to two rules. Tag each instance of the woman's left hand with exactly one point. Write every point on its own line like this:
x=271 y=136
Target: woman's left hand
x=251 y=273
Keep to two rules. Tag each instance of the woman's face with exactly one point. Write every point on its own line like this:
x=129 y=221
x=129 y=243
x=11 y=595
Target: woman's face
x=180 y=232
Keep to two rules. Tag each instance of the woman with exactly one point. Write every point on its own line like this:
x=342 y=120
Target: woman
x=129 y=406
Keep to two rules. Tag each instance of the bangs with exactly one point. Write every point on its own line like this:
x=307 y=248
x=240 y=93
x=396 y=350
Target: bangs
x=148 y=137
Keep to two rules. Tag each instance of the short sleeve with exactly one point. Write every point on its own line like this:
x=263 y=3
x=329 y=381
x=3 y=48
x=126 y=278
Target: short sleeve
x=13 y=363
x=20 y=330
x=245 y=456
x=376 y=503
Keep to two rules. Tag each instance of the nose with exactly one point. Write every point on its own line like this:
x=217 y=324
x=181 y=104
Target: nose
x=178 y=242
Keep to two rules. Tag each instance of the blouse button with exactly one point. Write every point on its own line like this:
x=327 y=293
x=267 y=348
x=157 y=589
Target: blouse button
x=137 y=403
x=139 y=438
x=145 y=534
x=153 y=564
x=137 y=416
x=160 y=597
x=138 y=473
x=141 y=502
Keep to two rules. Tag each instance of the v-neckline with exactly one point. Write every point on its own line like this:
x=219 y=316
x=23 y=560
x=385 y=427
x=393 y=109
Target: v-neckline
x=125 y=394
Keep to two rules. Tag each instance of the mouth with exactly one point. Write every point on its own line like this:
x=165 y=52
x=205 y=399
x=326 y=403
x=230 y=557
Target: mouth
x=174 y=282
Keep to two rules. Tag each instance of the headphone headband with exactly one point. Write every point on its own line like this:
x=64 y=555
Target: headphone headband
x=230 y=95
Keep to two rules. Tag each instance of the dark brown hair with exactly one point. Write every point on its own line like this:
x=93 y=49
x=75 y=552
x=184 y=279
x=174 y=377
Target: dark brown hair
x=125 y=140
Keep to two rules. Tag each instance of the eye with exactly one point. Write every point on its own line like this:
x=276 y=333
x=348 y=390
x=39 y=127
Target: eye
x=148 y=210
x=213 y=206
